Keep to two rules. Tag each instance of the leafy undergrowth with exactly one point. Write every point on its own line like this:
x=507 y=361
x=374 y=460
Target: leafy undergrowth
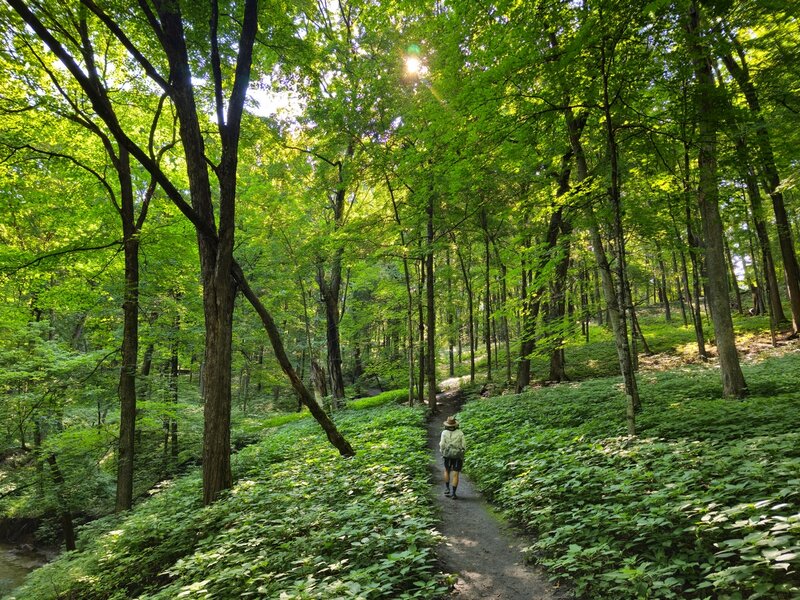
x=705 y=503
x=300 y=522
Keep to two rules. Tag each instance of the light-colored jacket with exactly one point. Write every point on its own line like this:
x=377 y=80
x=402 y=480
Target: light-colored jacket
x=452 y=444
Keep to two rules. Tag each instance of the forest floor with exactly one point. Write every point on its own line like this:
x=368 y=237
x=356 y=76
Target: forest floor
x=478 y=547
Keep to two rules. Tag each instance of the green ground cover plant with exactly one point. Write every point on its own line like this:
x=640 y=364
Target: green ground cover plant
x=704 y=503
x=300 y=522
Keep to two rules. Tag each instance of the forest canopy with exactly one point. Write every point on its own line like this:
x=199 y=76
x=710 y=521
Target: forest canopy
x=213 y=213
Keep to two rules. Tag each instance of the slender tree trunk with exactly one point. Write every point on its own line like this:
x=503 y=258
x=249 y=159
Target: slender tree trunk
x=532 y=299
x=410 y=300
x=64 y=511
x=431 y=314
x=680 y=289
x=741 y=73
x=558 y=287
x=697 y=315
x=664 y=290
x=173 y=384
x=733 y=383
x=470 y=312
x=450 y=317
x=621 y=331
x=130 y=337
x=504 y=303
x=734 y=281
x=487 y=338
x=423 y=355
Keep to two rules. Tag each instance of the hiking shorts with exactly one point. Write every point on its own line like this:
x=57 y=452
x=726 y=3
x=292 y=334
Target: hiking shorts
x=453 y=464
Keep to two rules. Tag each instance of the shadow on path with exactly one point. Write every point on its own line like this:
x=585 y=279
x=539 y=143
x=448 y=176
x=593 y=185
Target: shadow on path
x=478 y=547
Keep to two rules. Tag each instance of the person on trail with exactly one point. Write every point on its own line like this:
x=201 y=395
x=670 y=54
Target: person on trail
x=452 y=446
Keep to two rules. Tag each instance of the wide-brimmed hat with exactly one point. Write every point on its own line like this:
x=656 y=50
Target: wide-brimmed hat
x=451 y=422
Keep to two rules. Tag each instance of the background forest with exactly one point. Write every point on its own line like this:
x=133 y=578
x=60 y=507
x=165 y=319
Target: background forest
x=219 y=218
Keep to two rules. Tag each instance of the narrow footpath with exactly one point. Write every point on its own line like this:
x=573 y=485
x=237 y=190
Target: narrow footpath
x=484 y=554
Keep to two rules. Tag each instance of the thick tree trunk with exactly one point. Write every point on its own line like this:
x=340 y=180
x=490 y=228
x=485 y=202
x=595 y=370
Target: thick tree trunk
x=733 y=383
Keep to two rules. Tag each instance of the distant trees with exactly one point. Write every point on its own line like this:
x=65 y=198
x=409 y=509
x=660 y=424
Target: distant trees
x=547 y=165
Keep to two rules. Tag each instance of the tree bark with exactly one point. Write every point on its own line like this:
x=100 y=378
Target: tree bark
x=431 y=308
x=470 y=312
x=733 y=383
x=771 y=180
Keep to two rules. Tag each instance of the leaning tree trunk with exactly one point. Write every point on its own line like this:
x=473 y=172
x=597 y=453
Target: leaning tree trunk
x=733 y=383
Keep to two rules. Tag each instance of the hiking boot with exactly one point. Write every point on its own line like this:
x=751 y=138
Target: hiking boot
x=447 y=492
x=454 y=497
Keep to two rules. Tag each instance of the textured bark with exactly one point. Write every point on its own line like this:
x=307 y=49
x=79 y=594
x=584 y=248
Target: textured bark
x=215 y=245
x=733 y=383
x=130 y=339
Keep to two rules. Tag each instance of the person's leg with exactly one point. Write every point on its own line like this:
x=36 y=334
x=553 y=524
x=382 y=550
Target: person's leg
x=446 y=479
x=454 y=482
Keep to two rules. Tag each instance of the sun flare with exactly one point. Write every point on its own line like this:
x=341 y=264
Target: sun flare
x=413 y=65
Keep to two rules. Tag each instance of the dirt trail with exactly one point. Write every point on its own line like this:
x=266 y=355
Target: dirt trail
x=478 y=547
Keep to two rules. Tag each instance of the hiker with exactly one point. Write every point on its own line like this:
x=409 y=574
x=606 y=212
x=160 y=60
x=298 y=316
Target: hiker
x=452 y=447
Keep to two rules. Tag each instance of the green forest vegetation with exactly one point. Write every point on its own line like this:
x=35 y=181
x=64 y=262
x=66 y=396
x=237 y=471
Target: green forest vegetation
x=246 y=244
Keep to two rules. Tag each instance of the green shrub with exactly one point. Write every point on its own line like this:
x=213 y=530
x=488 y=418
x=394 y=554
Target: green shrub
x=705 y=504
x=390 y=397
x=300 y=522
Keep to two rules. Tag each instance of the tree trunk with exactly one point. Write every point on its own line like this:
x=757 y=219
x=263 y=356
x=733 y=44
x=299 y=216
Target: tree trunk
x=65 y=513
x=330 y=298
x=487 y=295
x=410 y=300
x=664 y=291
x=130 y=337
x=733 y=383
x=471 y=314
x=771 y=180
x=734 y=281
x=431 y=312
x=558 y=287
x=450 y=318
x=618 y=237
